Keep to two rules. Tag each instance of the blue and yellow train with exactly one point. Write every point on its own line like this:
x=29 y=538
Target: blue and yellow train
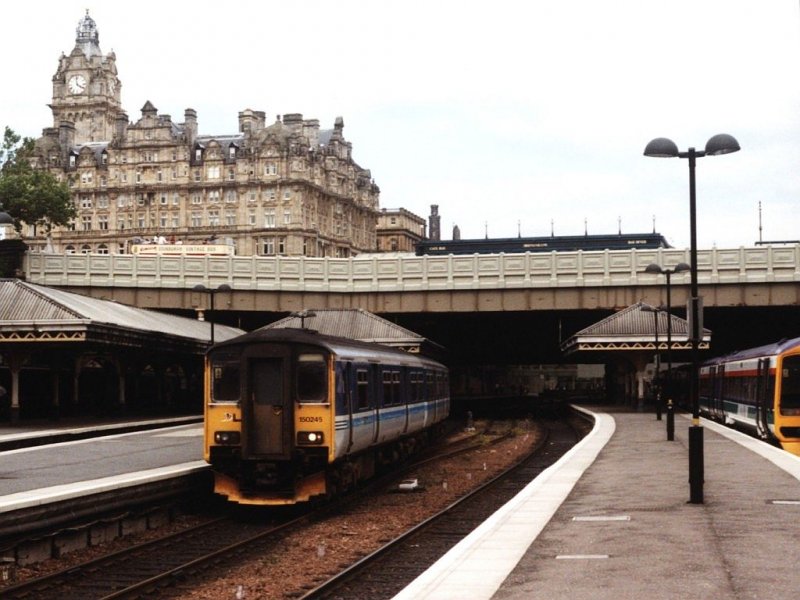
x=756 y=389
x=292 y=415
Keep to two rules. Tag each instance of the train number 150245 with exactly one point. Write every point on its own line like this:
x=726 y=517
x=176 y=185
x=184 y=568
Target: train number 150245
x=311 y=419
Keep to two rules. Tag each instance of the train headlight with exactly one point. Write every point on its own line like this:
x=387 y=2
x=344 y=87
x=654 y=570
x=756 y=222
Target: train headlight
x=227 y=438
x=310 y=438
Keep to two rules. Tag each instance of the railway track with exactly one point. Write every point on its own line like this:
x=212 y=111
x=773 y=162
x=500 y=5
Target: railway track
x=136 y=572
x=141 y=570
x=387 y=571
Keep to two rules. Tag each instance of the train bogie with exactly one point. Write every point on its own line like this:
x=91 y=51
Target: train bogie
x=292 y=415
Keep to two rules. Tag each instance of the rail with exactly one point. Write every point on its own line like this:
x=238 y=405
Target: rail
x=393 y=273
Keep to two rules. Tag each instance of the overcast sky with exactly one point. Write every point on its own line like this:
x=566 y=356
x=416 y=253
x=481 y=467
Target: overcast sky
x=511 y=116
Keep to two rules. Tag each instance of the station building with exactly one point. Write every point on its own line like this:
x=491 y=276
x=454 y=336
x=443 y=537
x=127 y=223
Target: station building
x=282 y=186
x=399 y=230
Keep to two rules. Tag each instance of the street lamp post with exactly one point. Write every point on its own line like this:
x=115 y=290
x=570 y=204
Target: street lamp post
x=200 y=288
x=656 y=378
x=721 y=143
x=657 y=269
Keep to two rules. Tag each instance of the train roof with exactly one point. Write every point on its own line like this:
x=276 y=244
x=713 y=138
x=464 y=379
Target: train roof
x=765 y=350
x=337 y=345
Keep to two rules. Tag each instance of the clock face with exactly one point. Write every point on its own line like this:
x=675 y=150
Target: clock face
x=77 y=83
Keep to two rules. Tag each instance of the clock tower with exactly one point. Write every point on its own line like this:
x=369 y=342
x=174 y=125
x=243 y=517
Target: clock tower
x=86 y=90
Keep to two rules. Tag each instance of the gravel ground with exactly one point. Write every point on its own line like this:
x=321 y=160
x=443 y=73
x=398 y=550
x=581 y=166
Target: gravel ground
x=320 y=550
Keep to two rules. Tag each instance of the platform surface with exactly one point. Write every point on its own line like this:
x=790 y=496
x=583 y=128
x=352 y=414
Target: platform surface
x=59 y=470
x=612 y=520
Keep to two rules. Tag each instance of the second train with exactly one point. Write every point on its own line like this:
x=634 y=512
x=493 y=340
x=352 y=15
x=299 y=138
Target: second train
x=757 y=389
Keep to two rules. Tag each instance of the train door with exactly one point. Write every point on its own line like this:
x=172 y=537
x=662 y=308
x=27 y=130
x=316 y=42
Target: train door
x=763 y=398
x=405 y=394
x=430 y=398
x=349 y=382
x=717 y=405
x=376 y=399
x=269 y=430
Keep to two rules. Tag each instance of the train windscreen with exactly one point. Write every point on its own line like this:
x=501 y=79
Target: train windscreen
x=225 y=377
x=790 y=386
x=312 y=378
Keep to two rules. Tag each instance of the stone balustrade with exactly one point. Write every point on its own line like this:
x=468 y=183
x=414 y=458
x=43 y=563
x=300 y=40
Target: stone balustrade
x=399 y=273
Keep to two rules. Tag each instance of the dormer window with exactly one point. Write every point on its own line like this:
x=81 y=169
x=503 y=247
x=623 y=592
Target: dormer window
x=104 y=158
x=72 y=160
x=232 y=152
x=198 y=154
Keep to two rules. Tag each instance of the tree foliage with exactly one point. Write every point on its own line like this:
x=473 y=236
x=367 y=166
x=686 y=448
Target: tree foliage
x=29 y=195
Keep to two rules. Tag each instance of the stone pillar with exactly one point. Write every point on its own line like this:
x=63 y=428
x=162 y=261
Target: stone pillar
x=12 y=248
x=121 y=400
x=15 y=365
x=76 y=377
x=11 y=255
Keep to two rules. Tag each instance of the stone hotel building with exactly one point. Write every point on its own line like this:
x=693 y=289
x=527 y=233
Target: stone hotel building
x=287 y=187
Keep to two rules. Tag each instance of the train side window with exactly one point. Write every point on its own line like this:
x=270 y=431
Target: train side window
x=414 y=385
x=388 y=393
x=341 y=381
x=362 y=389
x=397 y=395
x=225 y=382
x=312 y=378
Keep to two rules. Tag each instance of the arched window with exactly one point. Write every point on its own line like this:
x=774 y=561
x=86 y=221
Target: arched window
x=70 y=249
x=86 y=249
x=102 y=249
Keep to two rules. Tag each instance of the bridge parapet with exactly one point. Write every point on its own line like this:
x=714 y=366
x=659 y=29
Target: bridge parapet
x=393 y=273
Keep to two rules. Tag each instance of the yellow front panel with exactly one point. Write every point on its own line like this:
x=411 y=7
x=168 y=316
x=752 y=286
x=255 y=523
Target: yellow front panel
x=316 y=417
x=220 y=417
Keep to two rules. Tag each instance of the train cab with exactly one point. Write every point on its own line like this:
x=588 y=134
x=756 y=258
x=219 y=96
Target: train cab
x=291 y=415
x=787 y=413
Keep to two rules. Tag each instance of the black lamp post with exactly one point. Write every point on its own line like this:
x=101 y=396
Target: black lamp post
x=656 y=269
x=721 y=143
x=656 y=378
x=200 y=288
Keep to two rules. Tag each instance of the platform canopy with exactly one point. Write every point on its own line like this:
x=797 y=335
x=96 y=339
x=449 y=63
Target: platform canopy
x=627 y=340
x=358 y=324
x=634 y=328
x=37 y=314
x=62 y=353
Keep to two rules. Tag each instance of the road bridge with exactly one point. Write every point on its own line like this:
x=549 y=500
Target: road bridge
x=496 y=308
x=611 y=279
